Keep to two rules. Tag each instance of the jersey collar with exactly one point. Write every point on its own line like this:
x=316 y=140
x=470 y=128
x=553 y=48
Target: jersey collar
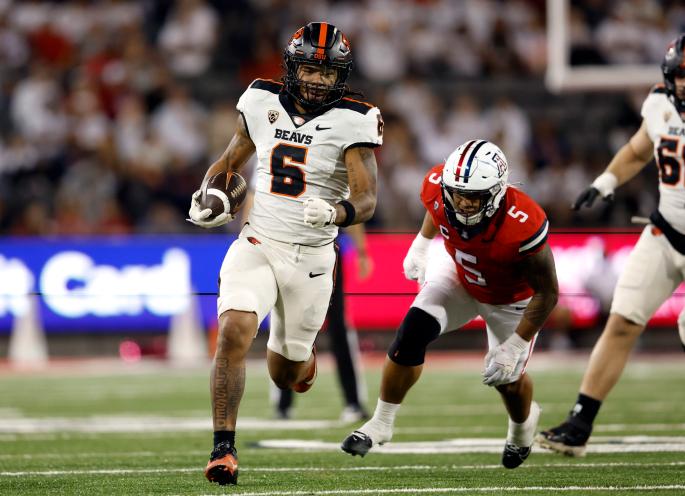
x=298 y=119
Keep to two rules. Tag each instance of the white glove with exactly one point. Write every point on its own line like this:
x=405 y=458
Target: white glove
x=414 y=263
x=500 y=362
x=198 y=216
x=318 y=212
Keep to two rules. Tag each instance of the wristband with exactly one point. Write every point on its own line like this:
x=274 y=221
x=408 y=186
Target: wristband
x=350 y=212
x=421 y=242
x=605 y=183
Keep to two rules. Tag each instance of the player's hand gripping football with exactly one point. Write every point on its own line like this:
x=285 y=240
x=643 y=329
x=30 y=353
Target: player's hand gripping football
x=500 y=362
x=414 y=263
x=200 y=217
x=604 y=185
x=318 y=212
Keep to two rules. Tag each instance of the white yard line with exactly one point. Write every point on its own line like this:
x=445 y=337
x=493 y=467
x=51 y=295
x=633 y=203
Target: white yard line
x=495 y=428
x=390 y=468
x=141 y=423
x=634 y=444
x=132 y=423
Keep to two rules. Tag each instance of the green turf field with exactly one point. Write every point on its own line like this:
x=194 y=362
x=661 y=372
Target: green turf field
x=146 y=430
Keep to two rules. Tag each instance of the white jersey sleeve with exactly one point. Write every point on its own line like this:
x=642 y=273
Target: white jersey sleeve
x=366 y=124
x=655 y=110
x=253 y=99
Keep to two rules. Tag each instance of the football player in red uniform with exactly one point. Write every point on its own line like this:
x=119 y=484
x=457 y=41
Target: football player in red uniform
x=499 y=267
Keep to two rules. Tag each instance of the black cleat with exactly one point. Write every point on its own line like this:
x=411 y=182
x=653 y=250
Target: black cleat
x=513 y=456
x=357 y=443
x=569 y=438
x=222 y=467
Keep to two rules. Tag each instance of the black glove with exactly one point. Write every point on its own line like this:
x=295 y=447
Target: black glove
x=588 y=196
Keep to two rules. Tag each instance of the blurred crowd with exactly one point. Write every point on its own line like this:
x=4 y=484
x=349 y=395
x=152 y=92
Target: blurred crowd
x=111 y=110
x=623 y=32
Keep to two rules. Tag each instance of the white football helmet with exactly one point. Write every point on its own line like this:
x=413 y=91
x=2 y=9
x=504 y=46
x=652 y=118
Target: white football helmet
x=476 y=170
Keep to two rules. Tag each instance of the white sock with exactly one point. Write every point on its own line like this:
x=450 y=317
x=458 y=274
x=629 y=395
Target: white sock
x=379 y=427
x=385 y=412
x=515 y=432
x=521 y=434
x=383 y=418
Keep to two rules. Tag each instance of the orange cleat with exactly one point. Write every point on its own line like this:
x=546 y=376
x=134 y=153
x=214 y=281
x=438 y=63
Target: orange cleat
x=222 y=467
x=305 y=385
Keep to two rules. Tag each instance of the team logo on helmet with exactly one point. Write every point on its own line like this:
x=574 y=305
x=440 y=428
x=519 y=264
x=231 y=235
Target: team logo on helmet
x=501 y=164
x=272 y=115
x=298 y=34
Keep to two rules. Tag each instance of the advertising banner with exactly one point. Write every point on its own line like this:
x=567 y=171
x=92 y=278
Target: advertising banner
x=138 y=283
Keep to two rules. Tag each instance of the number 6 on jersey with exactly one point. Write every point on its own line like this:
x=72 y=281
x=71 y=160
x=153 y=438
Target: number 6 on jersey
x=288 y=179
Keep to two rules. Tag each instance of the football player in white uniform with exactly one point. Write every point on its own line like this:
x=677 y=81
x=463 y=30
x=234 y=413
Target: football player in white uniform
x=316 y=171
x=656 y=266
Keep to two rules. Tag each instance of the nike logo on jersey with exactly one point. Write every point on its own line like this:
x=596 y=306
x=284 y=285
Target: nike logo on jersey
x=311 y=274
x=319 y=128
x=293 y=136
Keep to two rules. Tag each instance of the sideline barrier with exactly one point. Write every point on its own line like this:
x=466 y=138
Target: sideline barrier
x=137 y=284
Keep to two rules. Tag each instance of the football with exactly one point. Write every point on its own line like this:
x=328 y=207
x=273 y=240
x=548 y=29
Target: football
x=223 y=192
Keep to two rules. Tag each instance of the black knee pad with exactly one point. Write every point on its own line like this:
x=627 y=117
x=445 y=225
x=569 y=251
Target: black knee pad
x=416 y=330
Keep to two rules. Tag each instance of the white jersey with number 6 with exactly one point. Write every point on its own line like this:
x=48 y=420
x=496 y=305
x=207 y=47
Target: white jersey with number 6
x=666 y=129
x=300 y=157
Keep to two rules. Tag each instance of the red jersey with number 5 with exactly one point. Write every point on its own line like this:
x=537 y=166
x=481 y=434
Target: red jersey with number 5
x=488 y=261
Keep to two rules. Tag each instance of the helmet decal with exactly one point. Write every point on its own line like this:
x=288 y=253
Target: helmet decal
x=320 y=53
x=457 y=171
x=466 y=169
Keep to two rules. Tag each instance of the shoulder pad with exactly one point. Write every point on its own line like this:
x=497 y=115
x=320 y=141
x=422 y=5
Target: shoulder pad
x=356 y=105
x=267 y=85
x=658 y=88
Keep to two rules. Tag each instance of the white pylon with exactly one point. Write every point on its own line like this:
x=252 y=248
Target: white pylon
x=28 y=346
x=186 y=341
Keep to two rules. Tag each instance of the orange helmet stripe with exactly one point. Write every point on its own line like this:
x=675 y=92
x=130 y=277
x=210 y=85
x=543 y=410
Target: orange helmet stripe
x=323 y=32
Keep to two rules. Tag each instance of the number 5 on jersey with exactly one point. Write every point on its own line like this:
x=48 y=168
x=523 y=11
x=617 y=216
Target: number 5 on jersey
x=461 y=258
x=288 y=179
